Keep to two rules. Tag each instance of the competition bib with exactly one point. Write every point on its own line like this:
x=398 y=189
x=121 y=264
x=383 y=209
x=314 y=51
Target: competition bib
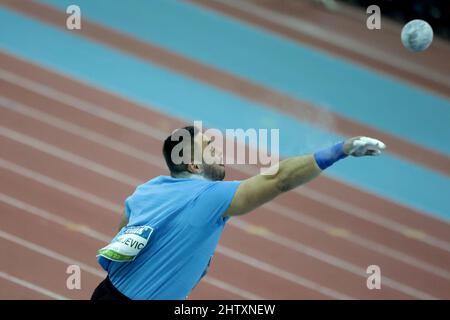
x=128 y=245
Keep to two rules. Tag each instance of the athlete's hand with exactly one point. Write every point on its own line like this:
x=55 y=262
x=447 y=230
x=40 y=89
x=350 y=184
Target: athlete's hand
x=363 y=146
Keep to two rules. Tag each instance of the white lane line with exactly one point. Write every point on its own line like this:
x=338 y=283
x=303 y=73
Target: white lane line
x=46 y=215
x=82 y=105
x=80 y=131
x=103 y=238
x=56 y=184
x=31 y=286
x=381 y=249
x=232 y=289
x=272 y=206
x=373 y=218
x=70 y=157
x=338 y=40
x=258 y=264
x=50 y=253
x=331 y=260
x=364 y=214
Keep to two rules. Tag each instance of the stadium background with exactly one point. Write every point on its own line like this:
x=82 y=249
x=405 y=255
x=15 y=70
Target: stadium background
x=83 y=113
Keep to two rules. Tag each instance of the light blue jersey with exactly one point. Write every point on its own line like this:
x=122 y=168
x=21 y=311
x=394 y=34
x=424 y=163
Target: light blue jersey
x=174 y=227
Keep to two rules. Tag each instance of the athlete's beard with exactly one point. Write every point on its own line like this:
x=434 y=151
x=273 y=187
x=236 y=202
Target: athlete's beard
x=214 y=172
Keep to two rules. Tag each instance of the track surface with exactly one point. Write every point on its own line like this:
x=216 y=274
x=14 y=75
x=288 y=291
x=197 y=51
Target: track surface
x=71 y=153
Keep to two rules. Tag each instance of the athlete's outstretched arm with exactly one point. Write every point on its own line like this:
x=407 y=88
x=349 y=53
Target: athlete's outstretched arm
x=295 y=171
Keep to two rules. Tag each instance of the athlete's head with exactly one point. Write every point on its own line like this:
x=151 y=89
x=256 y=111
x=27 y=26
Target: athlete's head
x=189 y=151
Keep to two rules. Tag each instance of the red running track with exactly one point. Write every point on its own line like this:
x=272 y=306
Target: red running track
x=72 y=153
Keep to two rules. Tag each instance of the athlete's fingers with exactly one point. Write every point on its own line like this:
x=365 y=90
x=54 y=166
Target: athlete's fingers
x=373 y=142
x=372 y=152
x=362 y=146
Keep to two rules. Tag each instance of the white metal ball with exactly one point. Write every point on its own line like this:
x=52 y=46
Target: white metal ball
x=417 y=35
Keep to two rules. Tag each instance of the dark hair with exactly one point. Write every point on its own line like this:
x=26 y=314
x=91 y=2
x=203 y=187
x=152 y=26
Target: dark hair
x=169 y=144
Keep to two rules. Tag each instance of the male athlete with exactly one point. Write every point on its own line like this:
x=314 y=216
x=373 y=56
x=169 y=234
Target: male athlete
x=172 y=224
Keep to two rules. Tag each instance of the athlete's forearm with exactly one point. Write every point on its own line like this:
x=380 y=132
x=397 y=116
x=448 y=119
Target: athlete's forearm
x=295 y=171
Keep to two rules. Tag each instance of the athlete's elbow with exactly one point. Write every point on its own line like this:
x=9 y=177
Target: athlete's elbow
x=282 y=183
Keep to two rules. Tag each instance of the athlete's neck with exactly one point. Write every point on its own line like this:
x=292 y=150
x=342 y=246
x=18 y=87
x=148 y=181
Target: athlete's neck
x=188 y=175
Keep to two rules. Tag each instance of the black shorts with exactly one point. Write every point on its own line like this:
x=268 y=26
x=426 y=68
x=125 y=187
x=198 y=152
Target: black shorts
x=106 y=291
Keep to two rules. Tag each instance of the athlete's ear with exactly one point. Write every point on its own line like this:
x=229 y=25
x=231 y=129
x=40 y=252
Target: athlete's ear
x=194 y=168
